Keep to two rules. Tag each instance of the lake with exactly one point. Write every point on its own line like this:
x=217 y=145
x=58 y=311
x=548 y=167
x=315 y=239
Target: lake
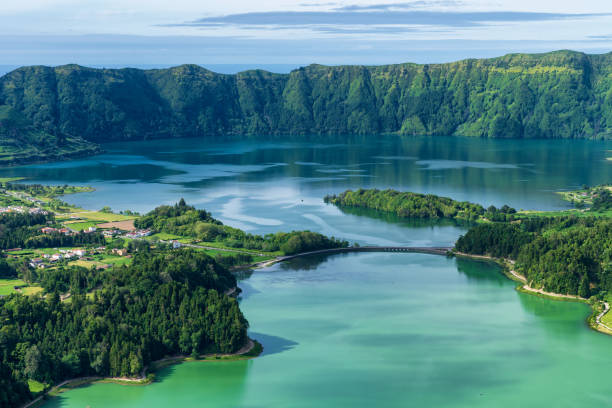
x=364 y=329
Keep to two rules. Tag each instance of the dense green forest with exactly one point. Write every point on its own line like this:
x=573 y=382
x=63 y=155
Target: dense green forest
x=570 y=255
x=414 y=205
x=185 y=220
x=23 y=141
x=164 y=303
x=561 y=94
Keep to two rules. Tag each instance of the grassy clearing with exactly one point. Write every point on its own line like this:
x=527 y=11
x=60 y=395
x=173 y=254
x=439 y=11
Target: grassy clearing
x=253 y=252
x=23 y=252
x=36 y=387
x=607 y=319
x=114 y=260
x=80 y=226
x=88 y=264
x=564 y=213
x=164 y=236
x=7 y=286
x=10 y=179
x=97 y=216
x=215 y=252
x=31 y=290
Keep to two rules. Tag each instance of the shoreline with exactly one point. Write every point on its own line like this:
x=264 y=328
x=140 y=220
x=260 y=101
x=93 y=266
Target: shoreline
x=593 y=320
x=250 y=350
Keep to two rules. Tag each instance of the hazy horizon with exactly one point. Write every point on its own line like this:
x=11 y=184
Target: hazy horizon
x=241 y=67
x=294 y=32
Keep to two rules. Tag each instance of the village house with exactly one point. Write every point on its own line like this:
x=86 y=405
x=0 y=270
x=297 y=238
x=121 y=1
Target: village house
x=36 y=262
x=120 y=251
x=138 y=234
x=110 y=233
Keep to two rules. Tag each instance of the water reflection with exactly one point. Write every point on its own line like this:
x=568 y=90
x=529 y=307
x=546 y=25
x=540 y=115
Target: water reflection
x=273 y=344
x=481 y=270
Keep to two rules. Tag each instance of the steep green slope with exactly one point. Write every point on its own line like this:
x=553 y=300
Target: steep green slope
x=562 y=94
x=22 y=142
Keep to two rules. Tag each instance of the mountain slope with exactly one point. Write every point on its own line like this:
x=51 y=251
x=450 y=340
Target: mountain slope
x=562 y=94
x=21 y=142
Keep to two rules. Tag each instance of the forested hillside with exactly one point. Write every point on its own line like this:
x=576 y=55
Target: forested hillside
x=568 y=255
x=23 y=142
x=562 y=94
x=164 y=303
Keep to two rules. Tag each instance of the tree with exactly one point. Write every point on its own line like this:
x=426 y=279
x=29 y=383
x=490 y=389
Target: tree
x=584 y=290
x=32 y=359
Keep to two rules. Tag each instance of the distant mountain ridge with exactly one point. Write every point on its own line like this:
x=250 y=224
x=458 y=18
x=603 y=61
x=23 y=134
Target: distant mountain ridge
x=562 y=94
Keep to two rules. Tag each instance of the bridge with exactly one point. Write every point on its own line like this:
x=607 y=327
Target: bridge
x=420 y=250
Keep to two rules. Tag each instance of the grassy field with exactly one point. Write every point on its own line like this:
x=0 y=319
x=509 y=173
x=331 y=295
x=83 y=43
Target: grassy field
x=7 y=287
x=607 y=319
x=86 y=264
x=101 y=261
x=577 y=213
x=251 y=251
x=164 y=236
x=36 y=387
x=114 y=259
x=80 y=226
x=10 y=179
x=97 y=216
x=31 y=290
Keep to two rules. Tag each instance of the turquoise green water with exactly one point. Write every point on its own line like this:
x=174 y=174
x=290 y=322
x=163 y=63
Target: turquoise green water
x=367 y=329
x=389 y=330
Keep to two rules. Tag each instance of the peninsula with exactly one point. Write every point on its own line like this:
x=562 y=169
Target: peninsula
x=93 y=294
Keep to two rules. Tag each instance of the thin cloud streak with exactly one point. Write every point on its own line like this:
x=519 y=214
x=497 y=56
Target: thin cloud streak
x=396 y=6
x=380 y=17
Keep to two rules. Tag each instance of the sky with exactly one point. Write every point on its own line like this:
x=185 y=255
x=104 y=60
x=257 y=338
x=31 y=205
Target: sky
x=284 y=34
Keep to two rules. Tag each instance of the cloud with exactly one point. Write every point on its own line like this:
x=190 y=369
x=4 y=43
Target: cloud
x=600 y=37
x=399 y=6
x=376 y=16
